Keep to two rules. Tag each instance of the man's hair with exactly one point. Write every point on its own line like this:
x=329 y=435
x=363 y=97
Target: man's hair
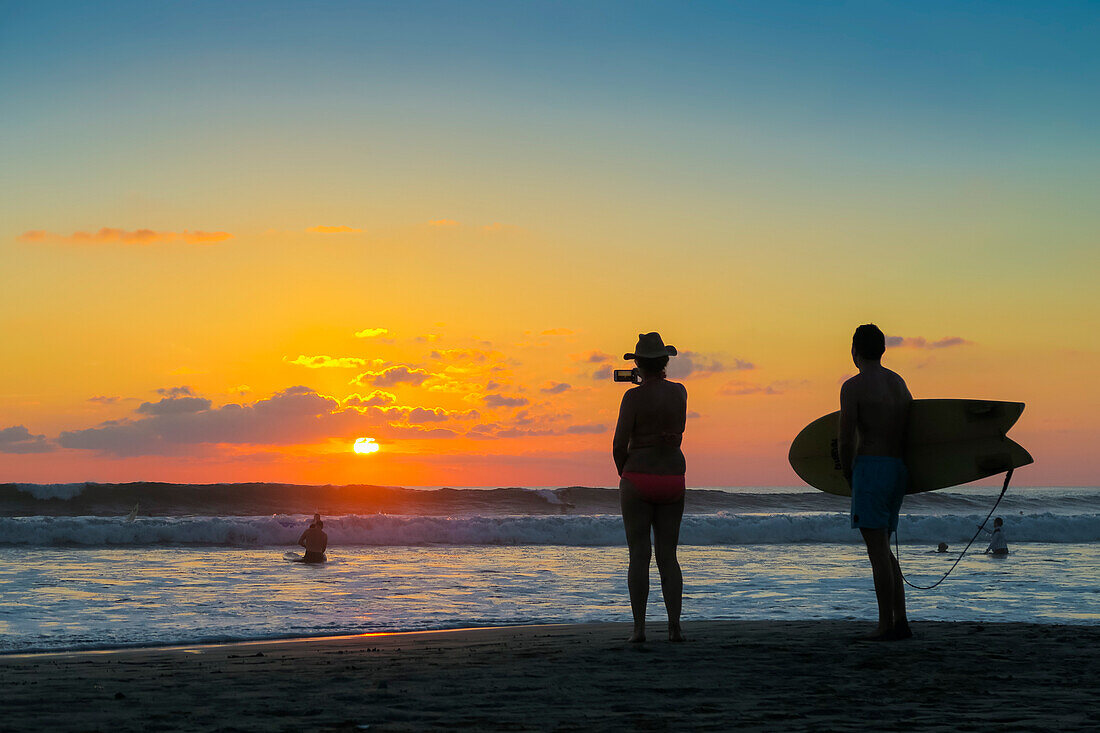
x=998 y=522
x=654 y=366
x=869 y=342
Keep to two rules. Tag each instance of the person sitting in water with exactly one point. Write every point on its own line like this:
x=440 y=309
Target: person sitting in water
x=651 y=467
x=315 y=541
x=998 y=546
x=942 y=547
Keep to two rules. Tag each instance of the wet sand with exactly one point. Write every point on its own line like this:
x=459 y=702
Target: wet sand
x=744 y=675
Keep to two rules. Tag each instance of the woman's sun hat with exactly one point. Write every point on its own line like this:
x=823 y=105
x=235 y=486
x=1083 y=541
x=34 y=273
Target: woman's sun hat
x=650 y=346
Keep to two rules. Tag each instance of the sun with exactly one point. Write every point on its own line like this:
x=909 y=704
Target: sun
x=365 y=445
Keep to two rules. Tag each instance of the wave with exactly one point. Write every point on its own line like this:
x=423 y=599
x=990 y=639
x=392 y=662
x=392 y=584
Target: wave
x=583 y=531
x=257 y=499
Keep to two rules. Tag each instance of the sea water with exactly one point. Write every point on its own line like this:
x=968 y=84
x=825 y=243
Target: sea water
x=202 y=563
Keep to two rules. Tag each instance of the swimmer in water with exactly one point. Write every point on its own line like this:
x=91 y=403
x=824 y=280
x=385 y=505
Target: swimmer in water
x=998 y=545
x=315 y=541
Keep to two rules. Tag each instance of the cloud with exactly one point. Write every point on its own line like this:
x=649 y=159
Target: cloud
x=586 y=429
x=103 y=399
x=603 y=372
x=370 y=333
x=443 y=223
x=174 y=406
x=17 y=439
x=334 y=230
x=394 y=375
x=182 y=391
x=438 y=414
x=477 y=355
x=556 y=332
x=496 y=400
x=691 y=363
x=323 y=362
x=738 y=388
x=555 y=388
x=525 y=429
x=591 y=357
x=427 y=338
x=377 y=398
x=296 y=415
x=919 y=342
x=292 y=416
x=108 y=235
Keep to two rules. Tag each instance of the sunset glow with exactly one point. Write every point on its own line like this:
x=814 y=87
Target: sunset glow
x=229 y=254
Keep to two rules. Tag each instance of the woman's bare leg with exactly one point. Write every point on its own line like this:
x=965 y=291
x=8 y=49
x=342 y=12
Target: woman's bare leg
x=637 y=519
x=666 y=536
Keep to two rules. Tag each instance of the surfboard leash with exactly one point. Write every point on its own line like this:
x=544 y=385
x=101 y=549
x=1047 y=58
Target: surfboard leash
x=897 y=548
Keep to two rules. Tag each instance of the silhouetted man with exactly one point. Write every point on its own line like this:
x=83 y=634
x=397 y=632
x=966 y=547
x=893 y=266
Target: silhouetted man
x=874 y=412
x=315 y=541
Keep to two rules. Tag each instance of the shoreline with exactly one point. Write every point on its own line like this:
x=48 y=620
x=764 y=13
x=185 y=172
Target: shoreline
x=206 y=645
x=748 y=675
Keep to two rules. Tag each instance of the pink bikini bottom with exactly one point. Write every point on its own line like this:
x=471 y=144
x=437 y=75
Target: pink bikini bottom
x=657 y=488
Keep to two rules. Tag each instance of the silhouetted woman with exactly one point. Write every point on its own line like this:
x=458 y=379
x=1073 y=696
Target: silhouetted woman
x=651 y=487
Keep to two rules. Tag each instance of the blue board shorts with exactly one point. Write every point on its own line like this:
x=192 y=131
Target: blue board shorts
x=878 y=487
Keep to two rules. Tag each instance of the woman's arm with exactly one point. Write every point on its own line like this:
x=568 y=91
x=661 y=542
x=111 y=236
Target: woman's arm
x=623 y=428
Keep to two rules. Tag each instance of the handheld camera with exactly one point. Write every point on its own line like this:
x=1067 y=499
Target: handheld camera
x=628 y=375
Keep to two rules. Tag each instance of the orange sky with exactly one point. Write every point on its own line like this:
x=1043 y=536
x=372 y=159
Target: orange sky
x=226 y=254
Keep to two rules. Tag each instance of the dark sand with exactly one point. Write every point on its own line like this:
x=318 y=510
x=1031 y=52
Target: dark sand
x=731 y=675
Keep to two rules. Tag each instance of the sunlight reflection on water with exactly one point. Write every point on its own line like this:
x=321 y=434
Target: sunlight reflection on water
x=61 y=598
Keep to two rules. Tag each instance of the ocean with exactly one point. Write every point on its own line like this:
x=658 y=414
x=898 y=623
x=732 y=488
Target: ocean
x=205 y=563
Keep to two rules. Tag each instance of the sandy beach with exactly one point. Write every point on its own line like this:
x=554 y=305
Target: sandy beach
x=743 y=675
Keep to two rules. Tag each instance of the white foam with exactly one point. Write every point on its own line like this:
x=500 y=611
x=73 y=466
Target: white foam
x=552 y=497
x=579 y=531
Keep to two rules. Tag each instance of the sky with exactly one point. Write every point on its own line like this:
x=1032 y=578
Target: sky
x=236 y=237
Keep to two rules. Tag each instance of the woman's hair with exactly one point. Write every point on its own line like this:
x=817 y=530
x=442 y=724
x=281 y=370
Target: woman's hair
x=653 y=366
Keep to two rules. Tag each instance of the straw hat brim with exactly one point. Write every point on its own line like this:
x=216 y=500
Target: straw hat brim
x=668 y=351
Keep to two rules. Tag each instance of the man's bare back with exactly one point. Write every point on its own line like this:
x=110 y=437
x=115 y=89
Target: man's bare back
x=877 y=401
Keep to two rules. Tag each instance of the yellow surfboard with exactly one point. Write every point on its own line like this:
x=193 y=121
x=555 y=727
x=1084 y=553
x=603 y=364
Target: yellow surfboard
x=949 y=442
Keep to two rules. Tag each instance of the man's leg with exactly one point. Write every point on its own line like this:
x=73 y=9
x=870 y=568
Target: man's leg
x=900 y=618
x=882 y=569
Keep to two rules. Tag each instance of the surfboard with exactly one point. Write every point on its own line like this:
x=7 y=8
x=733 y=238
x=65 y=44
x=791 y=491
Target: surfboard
x=297 y=557
x=949 y=442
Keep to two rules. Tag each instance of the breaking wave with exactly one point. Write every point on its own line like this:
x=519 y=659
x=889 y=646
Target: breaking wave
x=266 y=499
x=576 y=530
